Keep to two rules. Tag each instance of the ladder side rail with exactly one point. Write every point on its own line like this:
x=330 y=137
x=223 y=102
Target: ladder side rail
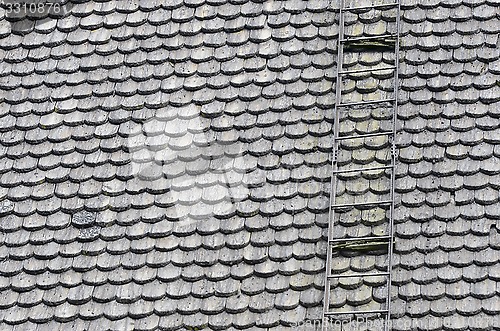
x=333 y=186
x=394 y=160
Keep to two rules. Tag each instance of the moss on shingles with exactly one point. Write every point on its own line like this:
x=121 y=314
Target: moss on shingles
x=371 y=45
x=362 y=245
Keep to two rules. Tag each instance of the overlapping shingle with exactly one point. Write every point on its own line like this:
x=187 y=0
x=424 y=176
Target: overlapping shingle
x=448 y=184
x=164 y=165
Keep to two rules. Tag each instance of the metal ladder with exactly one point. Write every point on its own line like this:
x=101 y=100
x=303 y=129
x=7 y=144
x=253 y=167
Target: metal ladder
x=337 y=243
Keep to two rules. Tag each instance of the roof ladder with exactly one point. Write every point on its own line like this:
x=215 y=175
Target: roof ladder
x=350 y=234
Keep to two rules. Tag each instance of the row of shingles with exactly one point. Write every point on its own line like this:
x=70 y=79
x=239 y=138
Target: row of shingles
x=104 y=296
x=21 y=284
x=446 y=4
x=262 y=236
x=101 y=22
x=188 y=299
x=270 y=318
x=42 y=313
x=453 y=132
x=289 y=299
x=63 y=283
x=448 y=44
x=435 y=272
x=107 y=92
x=444 y=129
x=458 y=182
x=62 y=244
x=60 y=275
x=125 y=78
x=94 y=314
x=51 y=128
x=42 y=308
x=249 y=318
x=312 y=296
x=237 y=26
x=21 y=250
x=235 y=256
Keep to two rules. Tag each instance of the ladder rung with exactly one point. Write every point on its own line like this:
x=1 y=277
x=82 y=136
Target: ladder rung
x=354 y=204
x=347 y=72
x=346 y=171
x=340 y=240
x=367 y=38
x=387 y=5
x=366 y=274
x=367 y=135
x=372 y=311
x=365 y=102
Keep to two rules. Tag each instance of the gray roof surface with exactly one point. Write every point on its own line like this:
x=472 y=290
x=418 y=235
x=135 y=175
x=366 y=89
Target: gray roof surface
x=165 y=165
